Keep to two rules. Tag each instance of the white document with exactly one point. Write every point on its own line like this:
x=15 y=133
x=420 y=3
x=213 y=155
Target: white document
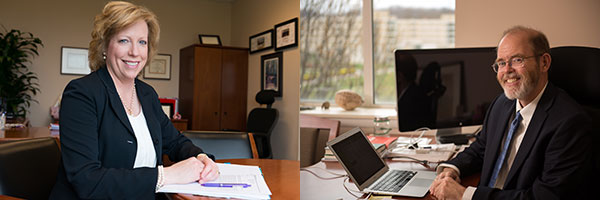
x=230 y=173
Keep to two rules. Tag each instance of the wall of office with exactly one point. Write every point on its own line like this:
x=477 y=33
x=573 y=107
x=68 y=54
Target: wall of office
x=256 y=16
x=69 y=23
x=481 y=23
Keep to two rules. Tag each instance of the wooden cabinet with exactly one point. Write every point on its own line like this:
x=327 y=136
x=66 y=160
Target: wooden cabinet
x=213 y=87
x=180 y=124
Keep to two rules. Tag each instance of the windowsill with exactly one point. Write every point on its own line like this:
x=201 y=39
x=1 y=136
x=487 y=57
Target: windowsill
x=358 y=113
x=363 y=118
x=359 y=117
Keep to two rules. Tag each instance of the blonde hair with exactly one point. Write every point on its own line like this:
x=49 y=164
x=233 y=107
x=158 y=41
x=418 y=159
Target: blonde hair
x=116 y=16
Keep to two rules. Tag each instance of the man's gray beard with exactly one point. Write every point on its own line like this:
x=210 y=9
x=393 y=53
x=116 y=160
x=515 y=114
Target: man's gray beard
x=519 y=94
x=528 y=84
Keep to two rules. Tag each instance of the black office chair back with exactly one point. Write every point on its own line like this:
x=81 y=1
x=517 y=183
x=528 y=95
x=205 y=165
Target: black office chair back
x=261 y=122
x=222 y=144
x=28 y=167
x=577 y=71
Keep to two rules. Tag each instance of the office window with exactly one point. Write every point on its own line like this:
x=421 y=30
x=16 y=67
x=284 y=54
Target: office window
x=333 y=37
x=331 y=52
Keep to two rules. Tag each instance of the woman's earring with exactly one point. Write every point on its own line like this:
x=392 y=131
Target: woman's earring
x=104 y=55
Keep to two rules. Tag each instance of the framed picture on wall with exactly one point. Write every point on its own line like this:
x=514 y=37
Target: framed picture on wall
x=159 y=68
x=261 y=41
x=286 y=34
x=74 y=61
x=209 y=39
x=169 y=106
x=271 y=70
x=168 y=109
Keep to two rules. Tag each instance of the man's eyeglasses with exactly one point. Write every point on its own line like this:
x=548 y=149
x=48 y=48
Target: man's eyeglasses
x=517 y=61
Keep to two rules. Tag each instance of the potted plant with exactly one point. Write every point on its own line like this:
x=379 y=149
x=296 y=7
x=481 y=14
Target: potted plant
x=17 y=86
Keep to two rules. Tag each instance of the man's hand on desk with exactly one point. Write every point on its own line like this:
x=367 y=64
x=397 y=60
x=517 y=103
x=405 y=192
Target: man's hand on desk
x=449 y=172
x=447 y=185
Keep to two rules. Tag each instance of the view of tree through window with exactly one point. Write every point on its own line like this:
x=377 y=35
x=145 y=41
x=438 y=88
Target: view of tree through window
x=330 y=48
x=331 y=36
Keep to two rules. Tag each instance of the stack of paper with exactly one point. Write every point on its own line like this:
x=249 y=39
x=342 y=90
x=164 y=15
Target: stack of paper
x=231 y=174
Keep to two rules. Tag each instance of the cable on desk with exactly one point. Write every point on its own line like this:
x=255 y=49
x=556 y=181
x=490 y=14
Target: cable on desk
x=412 y=142
x=425 y=163
x=324 y=178
x=327 y=171
x=348 y=190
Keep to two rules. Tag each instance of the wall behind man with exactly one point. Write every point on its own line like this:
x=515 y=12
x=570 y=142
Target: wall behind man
x=69 y=23
x=481 y=23
x=256 y=16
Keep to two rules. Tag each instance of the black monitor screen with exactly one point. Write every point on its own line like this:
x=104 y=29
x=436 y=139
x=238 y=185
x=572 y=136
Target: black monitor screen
x=450 y=87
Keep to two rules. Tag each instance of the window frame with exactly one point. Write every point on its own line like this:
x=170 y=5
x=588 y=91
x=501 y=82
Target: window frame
x=367 y=51
x=368 y=68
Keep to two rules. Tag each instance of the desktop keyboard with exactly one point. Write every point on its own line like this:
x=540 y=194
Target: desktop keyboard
x=394 y=181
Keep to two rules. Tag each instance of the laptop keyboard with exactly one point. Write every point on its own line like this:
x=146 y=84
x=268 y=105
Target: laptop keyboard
x=394 y=181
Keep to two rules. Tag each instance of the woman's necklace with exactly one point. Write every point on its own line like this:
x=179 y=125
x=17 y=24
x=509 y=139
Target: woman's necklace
x=129 y=108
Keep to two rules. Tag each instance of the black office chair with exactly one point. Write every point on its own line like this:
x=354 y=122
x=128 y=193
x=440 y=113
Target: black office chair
x=28 y=167
x=224 y=144
x=261 y=122
x=577 y=71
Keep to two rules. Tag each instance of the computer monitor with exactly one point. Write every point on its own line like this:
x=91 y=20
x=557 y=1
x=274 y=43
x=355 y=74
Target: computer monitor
x=459 y=85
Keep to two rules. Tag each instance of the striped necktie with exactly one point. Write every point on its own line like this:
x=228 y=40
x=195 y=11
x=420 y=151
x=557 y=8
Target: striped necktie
x=513 y=128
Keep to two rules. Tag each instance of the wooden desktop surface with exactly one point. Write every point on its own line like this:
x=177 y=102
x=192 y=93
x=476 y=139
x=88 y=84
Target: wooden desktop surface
x=281 y=176
x=27 y=132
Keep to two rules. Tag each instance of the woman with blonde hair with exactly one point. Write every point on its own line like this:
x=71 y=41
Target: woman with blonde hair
x=113 y=131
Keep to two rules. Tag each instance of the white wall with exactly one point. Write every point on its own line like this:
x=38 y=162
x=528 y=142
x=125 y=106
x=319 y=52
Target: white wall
x=252 y=17
x=573 y=22
x=69 y=23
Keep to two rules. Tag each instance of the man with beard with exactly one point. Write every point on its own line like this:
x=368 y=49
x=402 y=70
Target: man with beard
x=535 y=139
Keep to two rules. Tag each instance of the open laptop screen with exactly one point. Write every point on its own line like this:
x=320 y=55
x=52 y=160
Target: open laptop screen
x=359 y=157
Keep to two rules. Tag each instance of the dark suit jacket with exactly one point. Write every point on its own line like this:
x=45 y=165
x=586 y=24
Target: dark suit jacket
x=552 y=159
x=98 y=145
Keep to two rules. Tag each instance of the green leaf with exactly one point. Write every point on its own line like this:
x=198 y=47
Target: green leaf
x=18 y=85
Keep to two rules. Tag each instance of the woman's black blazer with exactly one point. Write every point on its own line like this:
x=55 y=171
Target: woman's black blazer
x=98 y=146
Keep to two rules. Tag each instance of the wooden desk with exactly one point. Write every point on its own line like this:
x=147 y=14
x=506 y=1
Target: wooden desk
x=281 y=176
x=27 y=132
x=4 y=197
x=312 y=187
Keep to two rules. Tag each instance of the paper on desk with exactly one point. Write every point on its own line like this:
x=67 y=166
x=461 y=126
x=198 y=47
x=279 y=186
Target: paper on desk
x=230 y=173
x=436 y=153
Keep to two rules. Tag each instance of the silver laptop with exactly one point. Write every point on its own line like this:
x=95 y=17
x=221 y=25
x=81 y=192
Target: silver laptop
x=371 y=174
